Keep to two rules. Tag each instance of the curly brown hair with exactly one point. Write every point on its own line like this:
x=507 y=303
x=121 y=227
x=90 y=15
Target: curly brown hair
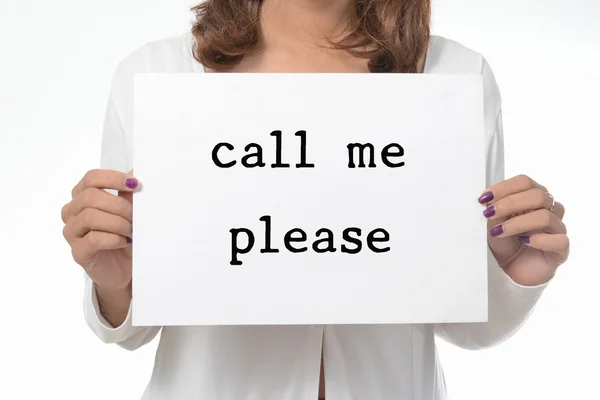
x=392 y=34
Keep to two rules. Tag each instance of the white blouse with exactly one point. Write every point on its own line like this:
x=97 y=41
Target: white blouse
x=362 y=362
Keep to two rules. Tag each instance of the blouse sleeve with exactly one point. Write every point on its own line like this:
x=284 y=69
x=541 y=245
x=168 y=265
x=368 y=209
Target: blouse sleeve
x=115 y=155
x=509 y=304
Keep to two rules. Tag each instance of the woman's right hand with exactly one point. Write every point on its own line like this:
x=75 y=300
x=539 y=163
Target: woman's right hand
x=98 y=227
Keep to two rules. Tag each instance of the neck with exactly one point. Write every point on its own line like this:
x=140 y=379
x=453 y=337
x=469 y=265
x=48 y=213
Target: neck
x=302 y=22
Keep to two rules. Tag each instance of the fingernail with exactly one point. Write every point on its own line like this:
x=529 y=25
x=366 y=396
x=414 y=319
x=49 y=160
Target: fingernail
x=524 y=239
x=497 y=231
x=489 y=212
x=131 y=183
x=486 y=197
x=129 y=240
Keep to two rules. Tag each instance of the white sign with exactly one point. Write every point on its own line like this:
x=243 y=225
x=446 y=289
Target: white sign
x=309 y=199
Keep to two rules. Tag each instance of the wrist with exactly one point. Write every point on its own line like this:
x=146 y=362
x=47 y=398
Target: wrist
x=117 y=300
x=528 y=276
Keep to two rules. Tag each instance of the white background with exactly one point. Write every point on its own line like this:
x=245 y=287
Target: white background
x=57 y=58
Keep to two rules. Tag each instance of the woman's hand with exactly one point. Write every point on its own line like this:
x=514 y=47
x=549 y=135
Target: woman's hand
x=98 y=227
x=526 y=232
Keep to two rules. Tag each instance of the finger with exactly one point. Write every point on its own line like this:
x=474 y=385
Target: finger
x=106 y=179
x=86 y=247
x=91 y=219
x=559 y=210
x=127 y=195
x=98 y=199
x=539 y=220
x=517 y=184
x=558 y=243
x=533 y=199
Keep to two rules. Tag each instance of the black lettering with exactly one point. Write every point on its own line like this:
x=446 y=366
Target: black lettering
x=303 y=163
x=329 y=240
x=235 y=250
x=258 y=155
x=215 y=156
x=362 y=148
x=372 y=239
x=356 y=241
x=289 y=239
x=278 y=145
x=386 y=153
x=267 y=220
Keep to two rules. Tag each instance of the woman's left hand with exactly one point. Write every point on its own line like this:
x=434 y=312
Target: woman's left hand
x=526 y=232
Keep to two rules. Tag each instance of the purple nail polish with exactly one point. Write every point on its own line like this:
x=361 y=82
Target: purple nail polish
x=129 y=240
x=524 y=239
x=131 y=183
x=486 y=197
x=497 y=231
x=489 y=212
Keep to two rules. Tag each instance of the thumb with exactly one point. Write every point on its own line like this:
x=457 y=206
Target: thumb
x=127 y=195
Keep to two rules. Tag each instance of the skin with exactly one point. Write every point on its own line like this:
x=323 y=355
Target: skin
x=97 y=224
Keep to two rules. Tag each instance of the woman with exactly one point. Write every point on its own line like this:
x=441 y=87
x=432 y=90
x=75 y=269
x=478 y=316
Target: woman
x=527 y=240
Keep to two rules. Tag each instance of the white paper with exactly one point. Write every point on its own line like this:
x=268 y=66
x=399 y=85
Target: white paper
x=436 y=268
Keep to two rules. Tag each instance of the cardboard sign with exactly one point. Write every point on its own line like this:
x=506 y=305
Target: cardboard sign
x=308 y=199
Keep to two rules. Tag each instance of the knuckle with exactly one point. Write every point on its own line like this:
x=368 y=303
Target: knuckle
x=562 y=245
x=88 y=217
x=87 y=178
x=80 y=257
x=126 y=208
x=563 y=227
x=546 y=218
x=93 y=240
x=78 y=253
x=566 y=243
x=561 y=210
x=88 y=196
x=540 y=197
x=113 y=241
x=507 y=205
x=526 y=181
x=90 y=177
x=120 y=206
x=125 y=226
x=75 y=254
x=65 y=232
x=63 y=213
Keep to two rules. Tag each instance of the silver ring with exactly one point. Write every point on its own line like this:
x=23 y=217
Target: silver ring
x=553 y=202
